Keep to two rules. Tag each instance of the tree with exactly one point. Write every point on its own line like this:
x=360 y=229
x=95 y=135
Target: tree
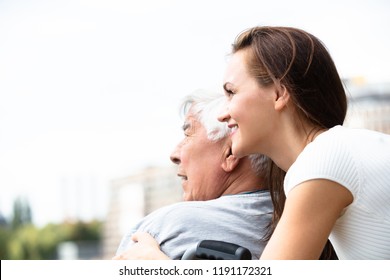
x=5 y=236
x=21 y=213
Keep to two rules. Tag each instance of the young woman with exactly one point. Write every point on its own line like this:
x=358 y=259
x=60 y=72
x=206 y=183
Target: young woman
x=286 y=100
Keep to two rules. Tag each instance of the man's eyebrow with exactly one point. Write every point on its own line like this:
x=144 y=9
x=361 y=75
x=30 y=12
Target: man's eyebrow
x=185 y=126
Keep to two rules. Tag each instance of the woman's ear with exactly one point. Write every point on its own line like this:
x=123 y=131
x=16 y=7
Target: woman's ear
x=282 y=97
x=230 y=162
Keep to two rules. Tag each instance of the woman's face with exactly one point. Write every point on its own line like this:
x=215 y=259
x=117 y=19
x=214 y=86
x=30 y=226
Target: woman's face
x=249 y=110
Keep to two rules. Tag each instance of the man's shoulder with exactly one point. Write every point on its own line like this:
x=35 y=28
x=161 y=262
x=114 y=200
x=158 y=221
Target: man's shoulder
x=197 y=208
x=184 y=207
x=171 y=218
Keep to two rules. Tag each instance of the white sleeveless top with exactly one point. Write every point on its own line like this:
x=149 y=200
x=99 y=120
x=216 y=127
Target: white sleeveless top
x=358 y=159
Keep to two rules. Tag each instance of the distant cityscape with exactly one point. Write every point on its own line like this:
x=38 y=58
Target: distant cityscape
x=369 y=106
x=134 y=197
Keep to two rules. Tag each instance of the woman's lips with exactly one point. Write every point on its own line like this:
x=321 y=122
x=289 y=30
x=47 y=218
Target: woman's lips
x=233 y=129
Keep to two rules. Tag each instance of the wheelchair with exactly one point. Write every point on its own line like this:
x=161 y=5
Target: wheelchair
x=216 y=250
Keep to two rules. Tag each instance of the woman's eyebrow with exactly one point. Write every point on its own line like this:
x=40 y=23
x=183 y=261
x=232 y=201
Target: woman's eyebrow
x=225 y=86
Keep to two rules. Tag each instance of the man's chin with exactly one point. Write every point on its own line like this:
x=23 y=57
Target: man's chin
x=186 y=197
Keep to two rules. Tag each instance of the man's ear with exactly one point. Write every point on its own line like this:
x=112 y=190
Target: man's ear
x=230 y=162
x=282 y=97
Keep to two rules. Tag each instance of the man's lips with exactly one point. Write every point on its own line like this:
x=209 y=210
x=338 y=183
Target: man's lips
x=183 y=177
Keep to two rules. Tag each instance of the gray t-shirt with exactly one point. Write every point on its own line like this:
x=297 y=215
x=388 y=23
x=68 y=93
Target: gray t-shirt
x=241 y=219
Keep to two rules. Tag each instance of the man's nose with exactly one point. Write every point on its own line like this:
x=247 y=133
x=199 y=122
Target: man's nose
x=175 y=156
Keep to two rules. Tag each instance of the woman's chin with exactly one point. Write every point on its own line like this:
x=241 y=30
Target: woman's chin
x=237 y=152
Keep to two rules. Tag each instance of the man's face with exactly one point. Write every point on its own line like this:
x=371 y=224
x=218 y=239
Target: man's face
x=199 y=162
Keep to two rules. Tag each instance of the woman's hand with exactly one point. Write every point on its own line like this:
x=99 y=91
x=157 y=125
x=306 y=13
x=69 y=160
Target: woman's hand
x=145 y=248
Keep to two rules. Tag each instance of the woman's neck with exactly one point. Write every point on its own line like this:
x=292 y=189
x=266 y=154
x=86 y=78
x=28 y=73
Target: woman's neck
x=291 y=143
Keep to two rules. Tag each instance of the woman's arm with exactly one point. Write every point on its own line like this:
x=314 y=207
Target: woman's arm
x=145 y=248
x=310 y=213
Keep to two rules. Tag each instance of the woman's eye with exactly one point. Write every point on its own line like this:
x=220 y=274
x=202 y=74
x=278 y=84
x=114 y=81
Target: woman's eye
x=229 y=92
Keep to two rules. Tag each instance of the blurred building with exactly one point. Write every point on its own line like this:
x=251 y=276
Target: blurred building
x=133 y=197
x=79 y=250
x=369 y=106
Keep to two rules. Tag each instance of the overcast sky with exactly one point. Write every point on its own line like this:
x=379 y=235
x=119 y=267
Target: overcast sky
x=89 y=90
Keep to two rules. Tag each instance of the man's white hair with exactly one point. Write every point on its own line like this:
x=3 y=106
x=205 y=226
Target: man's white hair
x=206 y=107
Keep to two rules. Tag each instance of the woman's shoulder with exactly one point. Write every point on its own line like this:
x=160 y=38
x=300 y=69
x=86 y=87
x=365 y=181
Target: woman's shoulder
x=330 y=156
x=353 y=133
x=327 y=145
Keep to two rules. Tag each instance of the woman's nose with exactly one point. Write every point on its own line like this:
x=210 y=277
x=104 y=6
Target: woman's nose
x=224 y=116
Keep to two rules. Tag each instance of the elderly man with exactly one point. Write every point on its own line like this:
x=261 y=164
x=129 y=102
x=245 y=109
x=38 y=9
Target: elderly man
x=225 y=197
